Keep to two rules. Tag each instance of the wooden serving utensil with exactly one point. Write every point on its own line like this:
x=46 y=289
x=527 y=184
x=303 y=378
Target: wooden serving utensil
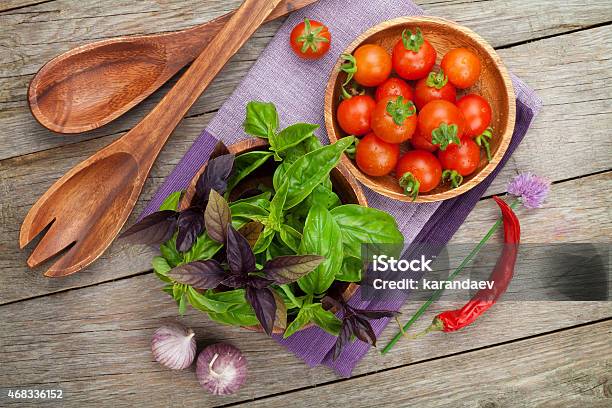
x=93 y=84
x=86 y=208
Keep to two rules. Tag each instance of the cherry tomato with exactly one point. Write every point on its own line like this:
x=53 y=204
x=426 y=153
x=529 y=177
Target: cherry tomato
x=441 y=123
x=477 y=113
x=375 y=157
x=373 y=65
x=420 y=143
x=413 y=56
x=394 y=119
x=462 y=158
x=435 y=86
x=462 y=67
x=394 y=87
x=355 y=113
x=310 y=39
x=418 y=172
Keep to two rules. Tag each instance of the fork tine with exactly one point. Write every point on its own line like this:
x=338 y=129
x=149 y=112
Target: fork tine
x=51 y=243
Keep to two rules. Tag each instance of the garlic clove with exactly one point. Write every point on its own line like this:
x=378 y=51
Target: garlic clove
x=221 y=369
x=174 y=346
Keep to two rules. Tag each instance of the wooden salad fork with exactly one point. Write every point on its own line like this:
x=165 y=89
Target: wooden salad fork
x=91 y=85
x=86 y=208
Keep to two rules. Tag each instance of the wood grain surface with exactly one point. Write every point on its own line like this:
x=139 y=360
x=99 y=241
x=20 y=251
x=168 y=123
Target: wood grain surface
x=89 y=334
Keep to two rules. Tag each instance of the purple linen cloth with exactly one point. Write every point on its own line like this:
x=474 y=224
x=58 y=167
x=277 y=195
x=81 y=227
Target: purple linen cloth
x=297 y=87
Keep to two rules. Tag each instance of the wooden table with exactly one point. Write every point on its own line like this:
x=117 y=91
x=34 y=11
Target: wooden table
x=89 y=333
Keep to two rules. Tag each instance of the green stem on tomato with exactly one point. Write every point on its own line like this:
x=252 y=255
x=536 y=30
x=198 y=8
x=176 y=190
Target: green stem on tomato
x=436 y=295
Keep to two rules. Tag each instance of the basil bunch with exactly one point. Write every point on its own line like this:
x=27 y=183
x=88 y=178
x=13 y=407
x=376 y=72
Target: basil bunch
x=271 y=257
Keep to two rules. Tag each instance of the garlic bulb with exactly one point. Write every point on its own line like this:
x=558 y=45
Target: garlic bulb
x=221 y=369
x=174 y=346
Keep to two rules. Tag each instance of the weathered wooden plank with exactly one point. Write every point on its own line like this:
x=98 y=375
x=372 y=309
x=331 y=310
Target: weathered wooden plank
x=21 y=56
x=570 y=368
x=94 y=344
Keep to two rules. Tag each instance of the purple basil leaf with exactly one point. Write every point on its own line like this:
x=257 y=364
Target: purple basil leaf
x=343 y=338
x=214 y=177
x=264 y=305
x=330 y=303
x=155 y=228
x=199 y=274
x=235 y=281
x=375 y=314
x=288 y=269
x=362 y=329
x=190 y=226
x=217 y=217
x=259 y=283
x=240 y=257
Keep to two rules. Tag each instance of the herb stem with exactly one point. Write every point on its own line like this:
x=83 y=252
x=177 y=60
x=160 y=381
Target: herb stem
x=436 y=295
x=290 y=295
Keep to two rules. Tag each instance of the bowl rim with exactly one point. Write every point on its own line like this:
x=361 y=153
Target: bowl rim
x=506 y=137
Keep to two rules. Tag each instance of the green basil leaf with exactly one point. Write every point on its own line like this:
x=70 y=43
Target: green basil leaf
x=261 y=200
x=350 y=270
x=291 y=136
x=264 y=240
x=242 y=315
x=170 y=253
x=322 y=236
x=302 y=319
x=279 y=175
x=232 y=297
x=182 y=305
x=171 y=202
x=277 y=248
x=310 y=170
x=363 y=225
x=244 y=165
x=325 y=319
x=290 y=237
x=203 y=301
x=301 y=149
x=261 y=119
x=204 y=248
x=249 y=211
x=161 y=268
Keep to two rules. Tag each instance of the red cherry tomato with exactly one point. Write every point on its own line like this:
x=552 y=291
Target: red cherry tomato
x=413 y=56
x=462 y=67
x=375 y=157
x=354 y=114
x=462 y=158
x=441 y=123
x=418 y=172
x=435 y=86
x=477 y=113
x=420 y=143
x=394 y=87
x=373 y=65
x=310 y=39
x=394 y=119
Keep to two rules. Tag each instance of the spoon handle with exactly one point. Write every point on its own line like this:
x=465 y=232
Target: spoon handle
x=147 y=138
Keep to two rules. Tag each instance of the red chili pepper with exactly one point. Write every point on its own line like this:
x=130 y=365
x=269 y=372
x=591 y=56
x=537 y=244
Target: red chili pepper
x=501 y=276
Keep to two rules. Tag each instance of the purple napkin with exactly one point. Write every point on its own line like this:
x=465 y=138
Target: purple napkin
x=297 y=87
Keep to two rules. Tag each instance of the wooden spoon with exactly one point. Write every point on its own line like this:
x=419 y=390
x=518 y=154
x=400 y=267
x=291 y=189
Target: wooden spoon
x=87 y=207
x=93 y=84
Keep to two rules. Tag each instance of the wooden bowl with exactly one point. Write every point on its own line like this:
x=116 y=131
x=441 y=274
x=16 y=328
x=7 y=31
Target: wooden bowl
x=345 y=185
x=494 y=85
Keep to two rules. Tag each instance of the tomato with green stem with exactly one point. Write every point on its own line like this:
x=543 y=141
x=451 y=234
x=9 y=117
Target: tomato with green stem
x=413 y=56
x=477 y=113
x=435 y=86
x=394 y=119
x=394 y=87
x=354 y=114
x=460 y=160
x=418 y=171
x=441 y=123
x=310 y=39
x=462 y=67
x=375 y=157
x=370 y=65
